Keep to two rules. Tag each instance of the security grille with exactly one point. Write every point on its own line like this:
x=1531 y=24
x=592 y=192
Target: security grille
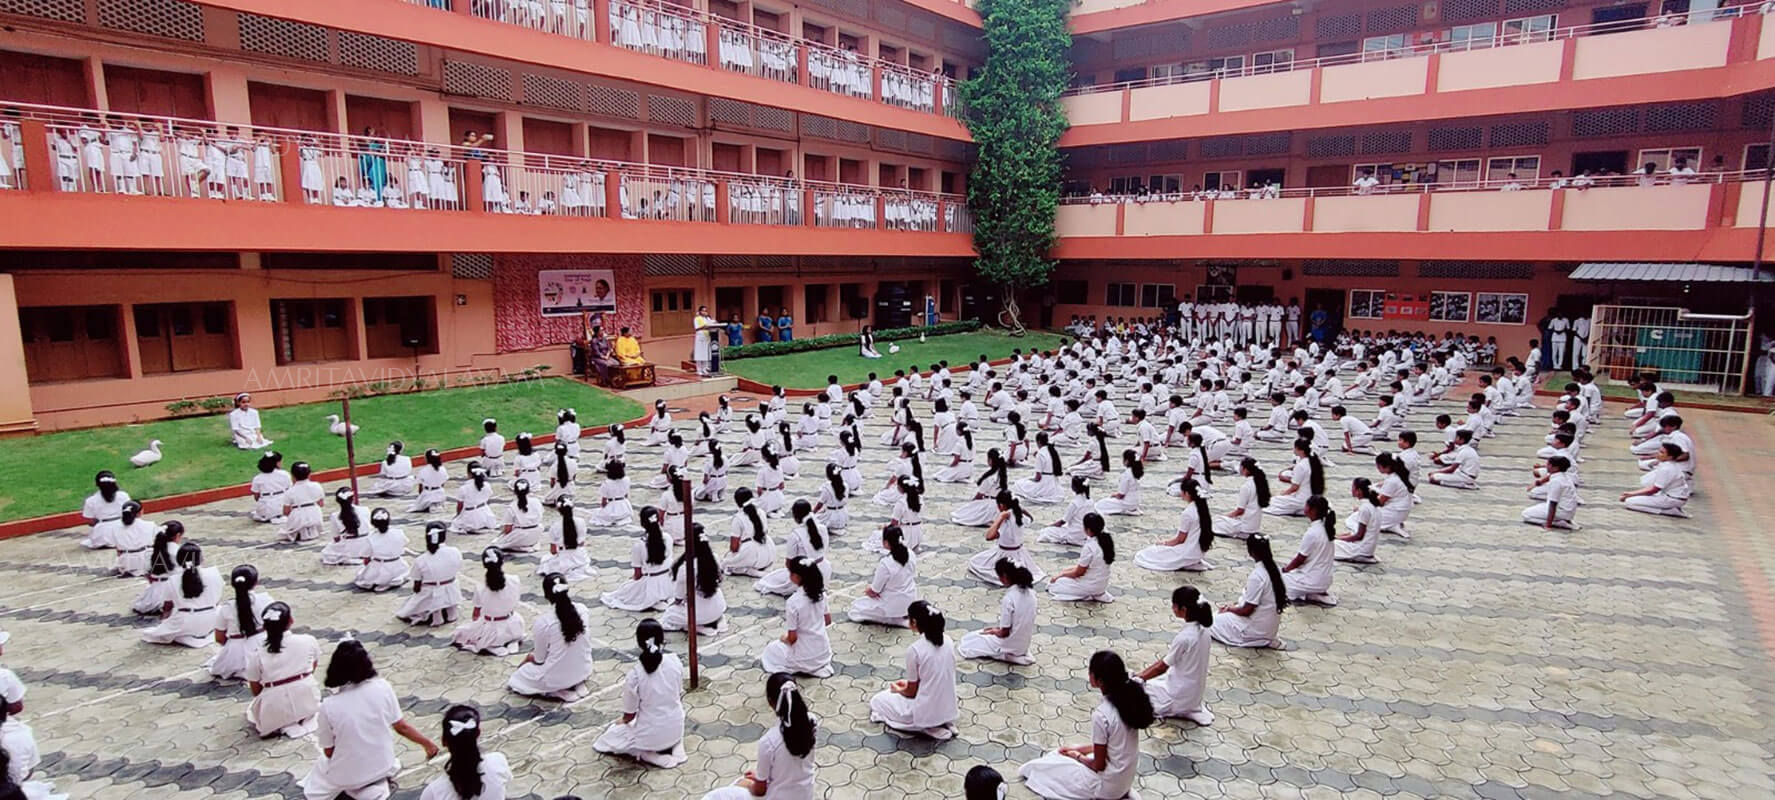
x=1477 y=270
x=1394 y=19
x=671 y=264
x=1461 y=10
x=1514 y=7
x=472 y=266
x=1231 y=36
x=378 y=53
x=1382 y=142
x=1223 y=146
x=819 y=127
x=1268 y=144
x=64 y=10
x=171 y=19
x=1327 y=146
x=1351 y=268
x=1343 y=26
x=1443 y=139
x=542 y=90
x=1701 y=116
x=1699 y=352
x=1605 y=122
x=890 y=140
x=281 y=37
x=1519 y=134
x=1277 y=29
x=478 y=80
x=612 y=102
x=853 y=131
x=671 y=110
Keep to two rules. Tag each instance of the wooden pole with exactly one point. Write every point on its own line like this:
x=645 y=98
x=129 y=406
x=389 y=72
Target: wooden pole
x=683 y=485
x=350 y=452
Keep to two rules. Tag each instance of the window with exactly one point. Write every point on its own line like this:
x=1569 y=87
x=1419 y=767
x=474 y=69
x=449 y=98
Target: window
x=1130 y=74
x=1458 y=172
x=1222 y=179
x=1162 y=73
x=184 y=337
x=1367 y=303
x=1527 y=169
x=1215 y=67
x=813 y=298
x=1376 y=48
x=1663 y=157
x=1530 y=29
x=1130 y=184
x=1335 y=49
x=1756 y=156
x=1158 y=295
x=1396 y=174
x=1476 y=36
x=70 y=343
x=1072 y=293
x=1165 y=184
x=310 y=330
x=1272 y=61
x=400 y=326
x=1119 y=294
x=672 y=311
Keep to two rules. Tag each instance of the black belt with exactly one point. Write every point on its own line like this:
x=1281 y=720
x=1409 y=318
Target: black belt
x=438 y=583
x=159 y=578
x=1018 y=547
x=136 y=550
x=287 y=681
x=655 y=574
x=430 y=488
x=278 y=493
x=497 y=619
x=473 y=507
x=109 y=519
x=385 y=560
x=194 y=610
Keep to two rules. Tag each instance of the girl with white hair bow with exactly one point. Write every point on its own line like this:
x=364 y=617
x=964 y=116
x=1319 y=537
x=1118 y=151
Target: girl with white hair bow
x=651 y=729
x=469 y=774
x=924 y=702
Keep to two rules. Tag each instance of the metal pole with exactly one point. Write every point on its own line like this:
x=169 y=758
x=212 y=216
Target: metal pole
x=350 y=451
x=1763 y=218
x=683 y=485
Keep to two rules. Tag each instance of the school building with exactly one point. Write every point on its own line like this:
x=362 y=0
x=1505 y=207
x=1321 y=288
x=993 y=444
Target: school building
x=206 y=196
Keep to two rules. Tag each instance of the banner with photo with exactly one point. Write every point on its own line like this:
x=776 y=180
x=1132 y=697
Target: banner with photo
x=1451 y=306
x=568 y=292
x=1500 y=308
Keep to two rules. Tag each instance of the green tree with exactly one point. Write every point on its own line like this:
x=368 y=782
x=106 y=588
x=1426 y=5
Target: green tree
x=1014 y=114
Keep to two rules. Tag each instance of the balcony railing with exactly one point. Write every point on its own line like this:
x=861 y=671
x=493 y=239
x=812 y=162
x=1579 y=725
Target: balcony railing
x=658 y=29
x=132 y=154
x=1577 y=183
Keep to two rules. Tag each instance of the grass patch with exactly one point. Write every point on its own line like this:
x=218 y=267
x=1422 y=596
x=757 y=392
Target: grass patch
x=1556 y=381
x=809 y=370
x=53 y=472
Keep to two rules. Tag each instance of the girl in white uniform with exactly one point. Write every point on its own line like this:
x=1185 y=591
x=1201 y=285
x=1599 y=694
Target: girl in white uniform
x=1308 y=575
x=197 y=591
x=755 y=438
x=804 y=648
x=1195 y=534
x=431 y=477
x=908 y=514
x=785 y=765
x=1358 y=546
x=924 y=702
x=1559 y=498
x=394 y=478
x=714 y=485
x=675 y=457
x=303 y=519
x=651 y=729
x=567 y=430
x=561 y=476
x=1008 y=641
x=960 y=468
x=494 y=627
x=526 y=462
x=1044 y=486
x=807 y=541
x=134 y=540
x=831 y=510
x=770 y=482
x=268 y=489
x=983 y=509
x=907 y=463
x=156 y=598
x=1246 y=518
x=650 y=587
x=660 y=426
x=1396 y=494
x=435 y=592
x=1664 y=490
x=280 y=675
x=347 y=548
x=237 y=626
x=614 y=510
x=469 y=774
x=562 y=658
x=1256 y=618
x=1304 y=479
x=355 y=722
x=1106 y=767
x=1006 y=535
x=521 y=531
x=711 y=604
x=566 y=557
x=385 y=565
x=1070 y=528
x=1176 y=684
x=474 y=512
x=749 y=546
x=894 y=586
x=1126 y=499
x=1089 y=578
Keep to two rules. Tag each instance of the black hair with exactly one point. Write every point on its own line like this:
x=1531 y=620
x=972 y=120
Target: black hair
x=160 y=559
x=554 y=589
x=1093 y=523
x=1016 y=421
x=615 y=470
x=894 y=539
x=982 y=783
x=1327 y=517
x=244 y=579
x=914 y=493
x=1009 y=502
x=494 y=560
x=521 y=494
x=462 y=737
x=1017 y=574
x=349 y=666
x=189 y=557
x=650 y=637
x=1096 y=431
x=525 y=445
x=562 y=478
x=347 y=508
x=849 y=442
x=1204 y=517
x=803 y=512
x=930 y=621
x=436 y=459
x=1364 y=488
x=1259 y=480
x=794 y=720
x=654 y=536
x=275 y=620
x=742 y=497
x=1258 y=547
x=1132 y=460
x=708 y=571
x=300 y=471
x=379 y=520
x=1315 y=467
x=1127 y=695
x=835 y=478
x=435 y=532
x=1196 y=441
x=995 y=465
x=107 y=483
x=1043 y=441
x=1195 y=609
x=569 y=525
x=267 y=464
x=813 y=581
x=769 y=454
x=910 y=451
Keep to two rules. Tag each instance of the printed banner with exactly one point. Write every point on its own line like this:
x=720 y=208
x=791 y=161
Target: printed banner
x=568 y=292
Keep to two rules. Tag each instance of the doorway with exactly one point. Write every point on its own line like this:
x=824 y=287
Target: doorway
x=1328 y=176
x=1331 y=301
x=1614 y=19
x=1601 y=162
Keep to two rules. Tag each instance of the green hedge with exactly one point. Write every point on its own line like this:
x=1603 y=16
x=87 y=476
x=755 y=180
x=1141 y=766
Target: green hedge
x=829 y=341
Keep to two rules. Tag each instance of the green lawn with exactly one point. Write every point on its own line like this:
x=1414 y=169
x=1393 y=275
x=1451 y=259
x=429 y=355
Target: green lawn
x=809 y=370
x=52 y=473
x=1556 y=381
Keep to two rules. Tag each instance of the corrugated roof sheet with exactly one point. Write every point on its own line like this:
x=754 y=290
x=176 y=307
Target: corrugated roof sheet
x=1676 y=273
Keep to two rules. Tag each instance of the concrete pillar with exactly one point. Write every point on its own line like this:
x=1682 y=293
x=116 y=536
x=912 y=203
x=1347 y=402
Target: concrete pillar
x=16 y=415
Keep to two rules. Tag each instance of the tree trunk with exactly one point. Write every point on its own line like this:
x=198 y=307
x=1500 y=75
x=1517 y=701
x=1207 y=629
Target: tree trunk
x=1009 y=315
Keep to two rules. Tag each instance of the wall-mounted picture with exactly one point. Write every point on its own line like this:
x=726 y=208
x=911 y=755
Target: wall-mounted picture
x=1501 y=308
x=1451 y=306
x=1367 y=303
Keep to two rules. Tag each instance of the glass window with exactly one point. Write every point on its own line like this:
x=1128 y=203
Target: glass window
x=1272 y=61
x=1119 y=294
x=1663 y=157
x=1530 y=29
x=1472 y=37
x=147 y=321
x=1458 y=172
x=1392 y=45
x=1527 y=169
x=1222 y=179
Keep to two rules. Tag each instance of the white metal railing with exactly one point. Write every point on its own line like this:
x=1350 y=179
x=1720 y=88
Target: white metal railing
x=905 y=212
x=132 y=154
x=756 y=51
x=561 y=17
x=360 y=172
x=845 y=207
x=845 y=72
x=1500 y=39
x=667 y=194
x=659 y=29
x=909 y=88
x=1711 y=352
x=763 y=202
x=957 y=218
x=12 y=157
x=1577 y=183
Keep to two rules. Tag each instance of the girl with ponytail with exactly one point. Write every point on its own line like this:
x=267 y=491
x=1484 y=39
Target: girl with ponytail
x=807 y=540
x=1246 y=518
x=1044 y=486
x=671 y=507
x=805 y=648
x=303 y=519
x=527 y=463
x=960 y=468
x=567 y=558
x=675 y=458
x=347 y=549
x=1308 y=575
x=893 y=587
x=1126 y=499
x=983 y=783
x=357 y=745
x=1199 y=463
x=562 y=658
x=650 y=587
x=711 y=604
x=1008 y=641
x=1070 y=528
x=431 y=477
x=1016 y=439
x=1005 y=534
x=660 y=426
x=834 y=497
x=924 y=702
x=750 y=548
x=1358 y=546
x=1106 y=767
x=1195 y=534
x=385 y=563
x=1094 y=462
x=614 y=509
x=1176 y=684
x=785 y=765
x=521 y=530
x=268 y=487
x=651 y=729
x=157 y=597
x=494 y=627
x=134 y=540
x=394 y=475
x=908 y=513
x=714 y=485
x=1089 y=578
x=435 y=593
x=770 y=482
x=905 y=464
x=196 y=593
x=1396 y=494
x=615 y=446
x=1256 y=619
x=983 y=509
x=468 y=774
x=103 y=508
x=473 y=512
x=846 y=456
x=567 y=430
x=723 y=414
x=947 y=433
x=237 y=625
x=756 y=438
x=1301 y=478
x=280 y=674
x=561 y=477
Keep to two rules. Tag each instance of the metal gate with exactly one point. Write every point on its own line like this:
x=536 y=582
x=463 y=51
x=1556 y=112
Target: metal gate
x=1700 y=352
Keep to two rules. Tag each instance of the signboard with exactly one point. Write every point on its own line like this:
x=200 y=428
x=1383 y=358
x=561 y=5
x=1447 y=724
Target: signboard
x=1409 y=307
x=568 y=292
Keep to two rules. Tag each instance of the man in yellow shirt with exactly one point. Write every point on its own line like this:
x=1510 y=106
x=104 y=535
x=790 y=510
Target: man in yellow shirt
x=628 y=348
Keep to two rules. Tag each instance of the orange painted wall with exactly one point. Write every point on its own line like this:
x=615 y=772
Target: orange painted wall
x=15 y=406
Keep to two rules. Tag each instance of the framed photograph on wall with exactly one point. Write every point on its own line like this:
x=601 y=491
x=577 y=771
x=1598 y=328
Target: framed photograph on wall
x=1500 y=308
x=1367 y=303
x=1451 y=306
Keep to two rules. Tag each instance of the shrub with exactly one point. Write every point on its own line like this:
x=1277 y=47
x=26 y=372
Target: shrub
x=829 y=341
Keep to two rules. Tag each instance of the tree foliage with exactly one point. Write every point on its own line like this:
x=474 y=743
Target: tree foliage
x=1014 y=114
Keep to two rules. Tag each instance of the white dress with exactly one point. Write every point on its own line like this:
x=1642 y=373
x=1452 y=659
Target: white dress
x=1093 y=585
x=1071 y=529
x=346 y=550
x=978 y=512
x=1361 y=551
x=477 y=514
x=833 y=512
x=499 y=628
x=896 y=585
x=754 y=556
x=1044 y=486
x=1128 y=487
x=1260 y=628
x=106 y=518
x=1016 y=614
x=495 y=771
x=558 y=666
x=933 y=668
x=1180 y=691
x=798 y=545
x=1059 y=777
x=306 y=519
x=431 y=488
x=387 y=566
x=357 y=724
x=269 y=487
x=393 y=480
x=229 y=663
x=193 y=621
x=790 y=777
x=526 y=532
x=650 y=592
x=656 y=735
x=616 y=512
x=1293 y=505
x=134 y=543
x=709 y=610
x=23 y=757
x=1312 y=580
x=438 y=596
x=575 y=565
x=811 y=654
x=1188 y=555
x=1008 y=545
x=961 y=471
x=1245 y=524
x=289 y=697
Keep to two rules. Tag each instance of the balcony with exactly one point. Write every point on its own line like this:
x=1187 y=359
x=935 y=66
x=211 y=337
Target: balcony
x=166 y=183
x=1715 y=54
x=1709 y=216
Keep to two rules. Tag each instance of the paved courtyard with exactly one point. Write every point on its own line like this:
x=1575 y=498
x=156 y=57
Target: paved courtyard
x=1484 y=658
